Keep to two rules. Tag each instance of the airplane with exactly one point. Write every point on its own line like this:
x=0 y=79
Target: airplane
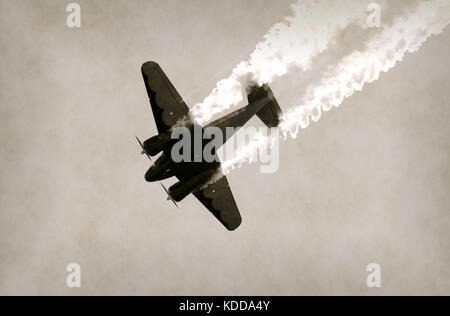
x=197 y=177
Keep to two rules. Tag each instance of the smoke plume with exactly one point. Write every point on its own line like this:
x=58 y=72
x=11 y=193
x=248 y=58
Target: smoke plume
x=381 y=53
x=289 y=44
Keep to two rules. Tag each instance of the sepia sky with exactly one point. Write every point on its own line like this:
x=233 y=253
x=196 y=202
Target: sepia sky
x=368 y=183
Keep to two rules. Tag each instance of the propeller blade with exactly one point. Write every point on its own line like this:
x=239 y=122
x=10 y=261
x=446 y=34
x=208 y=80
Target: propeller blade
x=164 y=188
x=143 y=150
x=169 y=198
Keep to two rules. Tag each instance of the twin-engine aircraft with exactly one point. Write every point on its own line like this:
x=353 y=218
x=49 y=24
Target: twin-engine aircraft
x=197 y=177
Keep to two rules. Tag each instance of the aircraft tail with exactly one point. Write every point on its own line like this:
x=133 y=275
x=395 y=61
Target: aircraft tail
x=270 y=113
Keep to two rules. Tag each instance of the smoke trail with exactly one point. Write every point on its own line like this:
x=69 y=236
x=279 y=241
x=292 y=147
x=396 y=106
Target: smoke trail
x=293 y=42
x=381 y=54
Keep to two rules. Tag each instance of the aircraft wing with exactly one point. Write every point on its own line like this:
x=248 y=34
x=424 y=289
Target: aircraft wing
x=167 y=105
x=219 y=200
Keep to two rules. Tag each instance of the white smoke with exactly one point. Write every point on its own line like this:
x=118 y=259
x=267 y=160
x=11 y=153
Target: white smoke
x=381 y=54
x=291 y=43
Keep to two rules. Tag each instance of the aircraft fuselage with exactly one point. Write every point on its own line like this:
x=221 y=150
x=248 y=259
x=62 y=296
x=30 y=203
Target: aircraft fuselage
x=190 y=157
x=196 y=172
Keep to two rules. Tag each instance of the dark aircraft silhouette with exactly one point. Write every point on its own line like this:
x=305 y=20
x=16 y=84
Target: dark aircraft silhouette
x=197 y=177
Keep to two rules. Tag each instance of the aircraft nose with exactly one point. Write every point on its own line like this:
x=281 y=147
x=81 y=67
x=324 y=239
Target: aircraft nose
x=150 y=176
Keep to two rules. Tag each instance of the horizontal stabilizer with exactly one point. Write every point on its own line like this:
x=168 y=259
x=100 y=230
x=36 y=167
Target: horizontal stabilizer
x=269 y=114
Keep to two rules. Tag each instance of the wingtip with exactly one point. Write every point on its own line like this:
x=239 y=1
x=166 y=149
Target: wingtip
x=235 y=225
x=149 y=66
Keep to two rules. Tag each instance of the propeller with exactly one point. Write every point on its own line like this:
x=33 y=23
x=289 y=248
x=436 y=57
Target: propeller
x=169 y=198
x=168 y=195
x=143 y=150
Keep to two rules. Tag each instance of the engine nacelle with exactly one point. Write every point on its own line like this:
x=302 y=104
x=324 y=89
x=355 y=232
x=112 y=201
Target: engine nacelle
x=181 y=189
x=155 y=145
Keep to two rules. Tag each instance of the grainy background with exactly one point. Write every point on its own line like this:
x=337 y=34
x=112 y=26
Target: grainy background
x=368 y=183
